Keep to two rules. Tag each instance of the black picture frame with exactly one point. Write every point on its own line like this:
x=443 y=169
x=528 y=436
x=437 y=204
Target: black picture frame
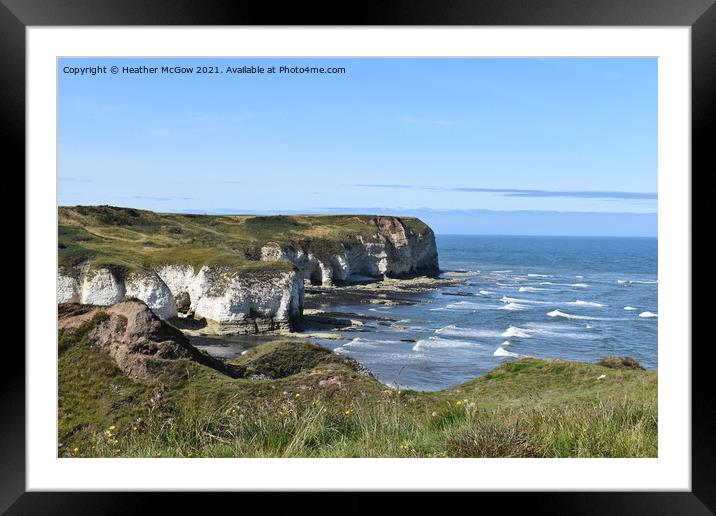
x=17 y=15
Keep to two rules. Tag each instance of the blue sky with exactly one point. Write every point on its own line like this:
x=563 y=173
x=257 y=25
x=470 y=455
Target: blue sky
x=537 y=143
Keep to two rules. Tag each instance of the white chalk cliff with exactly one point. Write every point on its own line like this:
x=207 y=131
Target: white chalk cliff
x=394 y=250
x=244 y=302
x=256 y=300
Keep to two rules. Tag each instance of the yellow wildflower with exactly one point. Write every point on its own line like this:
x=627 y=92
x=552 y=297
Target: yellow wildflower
x=112 y=427
x=75 y=450
x=298 y=394
x=458 y=403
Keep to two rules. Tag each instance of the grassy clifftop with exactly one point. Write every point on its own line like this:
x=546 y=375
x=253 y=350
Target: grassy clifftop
x=128 y=238
x=311 y=403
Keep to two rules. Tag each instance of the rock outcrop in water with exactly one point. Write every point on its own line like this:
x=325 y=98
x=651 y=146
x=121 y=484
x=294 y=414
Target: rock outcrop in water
x=245 y=273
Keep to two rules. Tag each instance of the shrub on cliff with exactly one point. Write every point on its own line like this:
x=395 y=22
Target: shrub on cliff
x=285 y=358
x=617 y=362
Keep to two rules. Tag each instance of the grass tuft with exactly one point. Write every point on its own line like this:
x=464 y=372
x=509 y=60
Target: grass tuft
x=616 y=362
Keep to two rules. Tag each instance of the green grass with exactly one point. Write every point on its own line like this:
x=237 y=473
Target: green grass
x=131 y=239
x=318 y=404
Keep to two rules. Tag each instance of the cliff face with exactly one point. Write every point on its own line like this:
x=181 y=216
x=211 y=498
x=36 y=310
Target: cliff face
x=395 y=250
x=246 y=273
x=244 y=303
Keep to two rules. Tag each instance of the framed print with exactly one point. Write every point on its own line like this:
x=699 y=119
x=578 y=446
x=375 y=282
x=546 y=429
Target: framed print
x=420 y=250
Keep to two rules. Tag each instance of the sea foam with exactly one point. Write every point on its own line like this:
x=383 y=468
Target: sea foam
x=361 y=343
x=531 y=289
x=513 y=306
x=579 y=302
x=437 y=342
x=456 y=331
x=463 y=305
x=502 y=352
x=557 y=330
x=557 y=313
x=506 y=299
x=514 y=331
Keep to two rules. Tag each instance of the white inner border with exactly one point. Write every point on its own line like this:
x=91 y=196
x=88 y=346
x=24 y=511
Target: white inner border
x=671 y=470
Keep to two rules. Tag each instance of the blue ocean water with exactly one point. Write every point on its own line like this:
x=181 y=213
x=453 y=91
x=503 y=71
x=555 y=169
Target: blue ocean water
x=577 y=298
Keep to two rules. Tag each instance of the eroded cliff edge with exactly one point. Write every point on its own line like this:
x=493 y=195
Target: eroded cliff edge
x=246 y=273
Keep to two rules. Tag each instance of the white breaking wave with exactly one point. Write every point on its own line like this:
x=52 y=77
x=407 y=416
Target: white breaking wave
x=629 y=282
x=579 y=302
x=630 y=308
x=485 y=292
x=367 y=343
x=557 y=313
x=463 y=305
x=579 y=276
x=455 y=331
x=531 y=289
x=513 y=306
x=557 y=330
x=502 y=272
x=514 y=331
x=648 y=314
x=437 y=342
x=502 y=352
x=579 y=285
x=538 y=275
x=361 y=343
x=506 y=299
x=550 y=283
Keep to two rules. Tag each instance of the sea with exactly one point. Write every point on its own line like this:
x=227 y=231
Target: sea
x=574 y=298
